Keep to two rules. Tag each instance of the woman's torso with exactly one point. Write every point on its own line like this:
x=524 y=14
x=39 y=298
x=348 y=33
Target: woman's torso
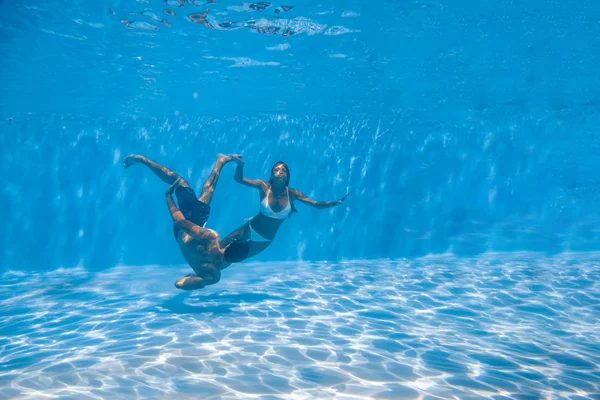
x=274 y=209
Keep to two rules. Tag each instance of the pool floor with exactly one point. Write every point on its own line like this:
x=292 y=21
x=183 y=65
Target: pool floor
x=516 y=325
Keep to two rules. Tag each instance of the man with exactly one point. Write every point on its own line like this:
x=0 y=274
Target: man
x=199 y=246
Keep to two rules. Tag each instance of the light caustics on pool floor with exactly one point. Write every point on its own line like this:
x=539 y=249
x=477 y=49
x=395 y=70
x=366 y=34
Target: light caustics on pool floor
x=495 y=326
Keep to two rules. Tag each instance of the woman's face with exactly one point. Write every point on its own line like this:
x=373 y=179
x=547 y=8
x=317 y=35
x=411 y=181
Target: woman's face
x=280 y=173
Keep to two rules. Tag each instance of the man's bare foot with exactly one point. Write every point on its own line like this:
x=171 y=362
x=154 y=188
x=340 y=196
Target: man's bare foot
x=131 y=159
x=222 y=158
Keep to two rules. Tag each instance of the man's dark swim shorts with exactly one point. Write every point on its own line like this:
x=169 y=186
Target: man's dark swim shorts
x=192 y=209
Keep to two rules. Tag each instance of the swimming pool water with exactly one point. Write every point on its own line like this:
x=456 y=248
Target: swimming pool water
x=464 y=264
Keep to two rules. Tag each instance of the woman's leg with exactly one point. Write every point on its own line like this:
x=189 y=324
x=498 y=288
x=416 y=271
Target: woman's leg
x=257 y=247
x=241 y=233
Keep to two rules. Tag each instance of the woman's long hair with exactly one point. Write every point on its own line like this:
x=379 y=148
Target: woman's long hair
x=287 y=182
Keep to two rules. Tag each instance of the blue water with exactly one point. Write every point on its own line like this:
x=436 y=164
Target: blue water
x=464 y=263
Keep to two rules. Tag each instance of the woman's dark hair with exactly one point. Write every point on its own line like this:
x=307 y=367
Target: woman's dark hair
x=236 y=251
x=287 y=182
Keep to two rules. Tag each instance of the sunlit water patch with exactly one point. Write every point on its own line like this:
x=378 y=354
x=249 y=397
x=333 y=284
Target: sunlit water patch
x=496 y=326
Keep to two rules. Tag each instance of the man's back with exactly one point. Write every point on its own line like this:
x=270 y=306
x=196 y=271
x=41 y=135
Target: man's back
x=202 y=254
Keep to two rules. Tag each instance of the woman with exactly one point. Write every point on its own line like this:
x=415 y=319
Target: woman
x=276 y=204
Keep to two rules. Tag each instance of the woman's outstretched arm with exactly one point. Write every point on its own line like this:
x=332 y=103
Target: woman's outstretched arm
x=239 y=176
x=298 y=195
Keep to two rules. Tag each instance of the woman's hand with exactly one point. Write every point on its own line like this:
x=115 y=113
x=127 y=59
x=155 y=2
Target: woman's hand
x=340 y=201
x=238 y=159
